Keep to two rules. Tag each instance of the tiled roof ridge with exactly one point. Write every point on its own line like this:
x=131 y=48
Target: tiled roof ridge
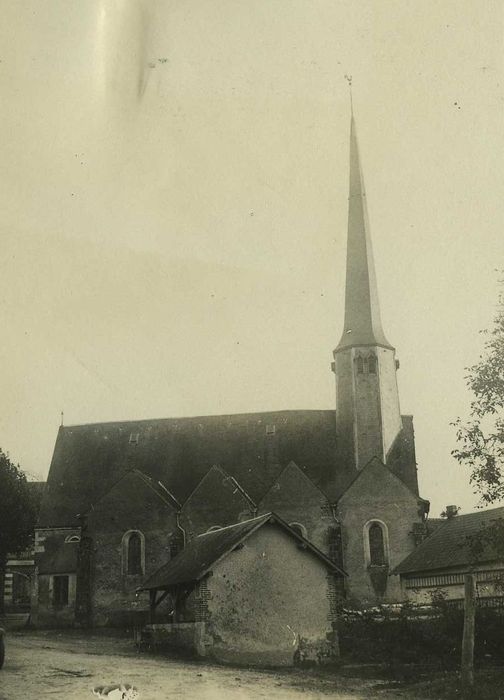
x=264 y=516
x=480 y=512
x=197 y=417
x=158 y=488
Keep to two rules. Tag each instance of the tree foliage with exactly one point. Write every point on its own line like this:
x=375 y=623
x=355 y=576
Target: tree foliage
x=481 y=437
x=17 y=509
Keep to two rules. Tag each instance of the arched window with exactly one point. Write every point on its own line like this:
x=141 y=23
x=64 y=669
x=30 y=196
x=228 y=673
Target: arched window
x=133 y=553
x=72 y=538
x=299 y=528
x=376 y=547
x=372 y=364
x=359 y=363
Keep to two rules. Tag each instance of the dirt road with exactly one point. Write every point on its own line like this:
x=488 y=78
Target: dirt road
x=68 y=667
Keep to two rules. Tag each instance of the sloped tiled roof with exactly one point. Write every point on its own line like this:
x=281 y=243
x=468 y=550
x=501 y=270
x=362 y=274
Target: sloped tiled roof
x=449 y=545
x=401 y=458
x=202 y=552
x=434 y=523
x=89 y=459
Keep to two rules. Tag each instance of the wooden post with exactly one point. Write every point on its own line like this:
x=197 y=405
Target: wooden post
x=467 y=666
x=152 y=599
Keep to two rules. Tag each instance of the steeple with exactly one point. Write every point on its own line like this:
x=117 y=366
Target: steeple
x=362 y=311
x=368 y=418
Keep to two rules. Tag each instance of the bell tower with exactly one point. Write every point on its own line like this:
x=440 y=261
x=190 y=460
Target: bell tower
x=368 y=417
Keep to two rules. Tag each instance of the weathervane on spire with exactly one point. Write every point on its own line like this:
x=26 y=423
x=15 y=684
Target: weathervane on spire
x=348 y=78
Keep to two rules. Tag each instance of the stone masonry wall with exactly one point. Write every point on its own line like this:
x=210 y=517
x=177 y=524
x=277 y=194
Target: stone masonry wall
x=54 y=555
x=368 y=416
x=296 y=499
x=130 y=505
x=376 y=495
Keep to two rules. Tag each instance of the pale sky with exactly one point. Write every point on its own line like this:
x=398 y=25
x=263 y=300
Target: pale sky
x=174 y=203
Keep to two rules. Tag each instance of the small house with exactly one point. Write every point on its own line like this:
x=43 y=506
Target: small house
x=256 y=592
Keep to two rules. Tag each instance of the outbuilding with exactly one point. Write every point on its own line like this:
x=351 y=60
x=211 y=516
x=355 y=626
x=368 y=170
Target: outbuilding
x=256 y=592
x=460 y=544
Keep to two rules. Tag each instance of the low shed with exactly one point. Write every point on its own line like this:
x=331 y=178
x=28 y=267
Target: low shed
x=462 y=543
x=256 y=592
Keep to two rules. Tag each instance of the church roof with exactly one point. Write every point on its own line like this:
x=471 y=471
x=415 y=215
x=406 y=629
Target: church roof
x=253 y=448
x=449 y=544
x=363 y=324
x=204 y=551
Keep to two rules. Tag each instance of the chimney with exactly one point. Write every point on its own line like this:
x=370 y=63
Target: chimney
x=451 y=511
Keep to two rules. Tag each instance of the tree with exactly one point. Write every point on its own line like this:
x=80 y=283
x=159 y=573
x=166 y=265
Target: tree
x=481 y=448
x=17 y=515
x=481 y=437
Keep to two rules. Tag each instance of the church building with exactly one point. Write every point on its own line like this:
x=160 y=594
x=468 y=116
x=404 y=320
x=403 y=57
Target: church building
x=124 y=499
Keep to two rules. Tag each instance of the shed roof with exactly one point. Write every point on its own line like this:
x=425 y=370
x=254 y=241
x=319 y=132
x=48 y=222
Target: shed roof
x=205 y=550
x=449 y=544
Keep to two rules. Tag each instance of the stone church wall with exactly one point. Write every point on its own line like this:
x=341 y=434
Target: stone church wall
x=130 y=506
x=217 y=501
x=377 y=495
x=296 y=499
x=343 y=368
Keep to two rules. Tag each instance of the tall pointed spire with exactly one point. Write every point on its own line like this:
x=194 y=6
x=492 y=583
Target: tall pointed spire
x=362 y=312
x=368 y=416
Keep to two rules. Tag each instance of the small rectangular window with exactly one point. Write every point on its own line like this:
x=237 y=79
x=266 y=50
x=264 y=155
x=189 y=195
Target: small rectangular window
x=133 y=438
x=270 y=429
x=60 y=590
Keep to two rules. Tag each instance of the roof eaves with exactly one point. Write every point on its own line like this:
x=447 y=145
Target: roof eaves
x=146 y=421
x=371 y=461
x=242 y=491
x=261 y=520
x=438 y=569
x=154 y=487
x=146 y=480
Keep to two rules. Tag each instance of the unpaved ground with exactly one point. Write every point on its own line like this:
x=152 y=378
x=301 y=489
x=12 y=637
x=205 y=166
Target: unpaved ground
x=66 y=666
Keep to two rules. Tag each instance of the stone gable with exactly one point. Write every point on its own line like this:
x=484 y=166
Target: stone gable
x=378 y=495
x=217 y=501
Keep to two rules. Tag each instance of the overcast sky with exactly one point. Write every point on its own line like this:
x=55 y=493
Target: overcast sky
x=173 y=204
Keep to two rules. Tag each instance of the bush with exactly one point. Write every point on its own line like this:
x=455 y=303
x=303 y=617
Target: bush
x=405 y=634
